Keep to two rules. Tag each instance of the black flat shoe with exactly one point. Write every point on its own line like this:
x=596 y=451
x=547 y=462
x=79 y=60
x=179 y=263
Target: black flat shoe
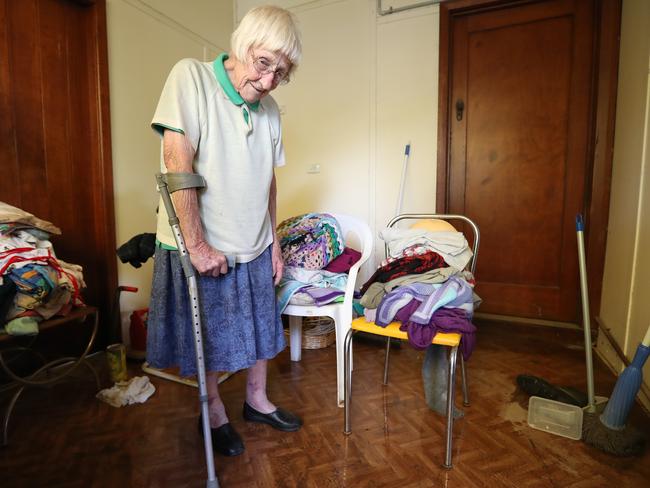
x=279 y=419
x=225 y=439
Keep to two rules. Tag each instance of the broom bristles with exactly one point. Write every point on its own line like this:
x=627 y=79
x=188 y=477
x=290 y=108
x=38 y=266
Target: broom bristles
x=624 y=442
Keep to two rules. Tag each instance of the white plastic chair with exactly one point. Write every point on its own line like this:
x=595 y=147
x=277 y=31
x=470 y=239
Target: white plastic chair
x=356 y=235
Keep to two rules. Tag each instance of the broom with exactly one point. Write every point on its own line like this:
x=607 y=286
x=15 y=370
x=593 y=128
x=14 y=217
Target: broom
x=608 y=432
x=626 y=388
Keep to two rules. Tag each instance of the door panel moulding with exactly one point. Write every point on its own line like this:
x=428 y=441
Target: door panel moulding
x=294 y=6
x=169 y=22
x=394 y=10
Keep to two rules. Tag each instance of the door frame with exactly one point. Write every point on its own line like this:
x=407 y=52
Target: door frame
x=600 y=149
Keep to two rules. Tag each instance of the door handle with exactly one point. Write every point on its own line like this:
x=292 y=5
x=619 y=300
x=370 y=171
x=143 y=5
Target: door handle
x=460 y=106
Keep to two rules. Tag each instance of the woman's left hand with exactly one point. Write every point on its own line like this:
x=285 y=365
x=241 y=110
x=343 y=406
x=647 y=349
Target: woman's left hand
x=278 y=262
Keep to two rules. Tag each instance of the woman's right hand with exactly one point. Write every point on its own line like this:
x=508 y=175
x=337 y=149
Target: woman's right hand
x=207 y=260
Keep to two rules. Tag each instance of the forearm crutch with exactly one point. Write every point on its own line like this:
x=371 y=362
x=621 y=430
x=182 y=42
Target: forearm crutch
x=169 y=183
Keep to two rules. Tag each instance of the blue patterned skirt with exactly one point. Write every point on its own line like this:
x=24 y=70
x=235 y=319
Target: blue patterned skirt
x=240 y=318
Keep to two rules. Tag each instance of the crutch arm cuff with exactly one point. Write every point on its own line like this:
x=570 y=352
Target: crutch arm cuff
x=182 y=181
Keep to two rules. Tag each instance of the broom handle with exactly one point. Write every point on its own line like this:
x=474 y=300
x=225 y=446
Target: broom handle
x=400 y=197
x=591 y=407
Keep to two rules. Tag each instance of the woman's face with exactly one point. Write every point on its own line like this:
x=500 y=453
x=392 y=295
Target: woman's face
x=259 y=74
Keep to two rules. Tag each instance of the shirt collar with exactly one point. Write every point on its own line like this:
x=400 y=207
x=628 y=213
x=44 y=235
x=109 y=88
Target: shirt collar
x=226 y=84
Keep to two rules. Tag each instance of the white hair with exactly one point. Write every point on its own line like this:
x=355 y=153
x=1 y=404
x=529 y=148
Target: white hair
x=271 y=28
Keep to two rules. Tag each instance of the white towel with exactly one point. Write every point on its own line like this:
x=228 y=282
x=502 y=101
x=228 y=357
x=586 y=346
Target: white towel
x=452 y=246
x=137 y=390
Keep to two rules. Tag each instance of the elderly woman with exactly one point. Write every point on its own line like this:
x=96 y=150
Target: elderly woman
x=217 y=119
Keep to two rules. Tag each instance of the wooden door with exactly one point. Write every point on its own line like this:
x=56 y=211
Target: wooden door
x=521 y=89
x=55 y=152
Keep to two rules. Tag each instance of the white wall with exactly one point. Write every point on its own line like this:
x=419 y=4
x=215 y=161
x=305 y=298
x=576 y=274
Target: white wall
x=407 y=111
x=367 y=86
x=625 y=307
x=145 y=39
x=325 y=114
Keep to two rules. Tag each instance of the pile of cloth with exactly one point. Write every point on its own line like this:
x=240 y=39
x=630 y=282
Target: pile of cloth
x=316 y=260
x=34 y=284
x=423 y=285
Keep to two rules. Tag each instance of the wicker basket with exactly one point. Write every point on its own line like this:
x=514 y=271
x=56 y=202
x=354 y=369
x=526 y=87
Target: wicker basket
x=317 y=332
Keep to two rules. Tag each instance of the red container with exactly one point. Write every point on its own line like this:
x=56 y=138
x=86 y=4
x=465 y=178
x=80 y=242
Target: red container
x=138 y=333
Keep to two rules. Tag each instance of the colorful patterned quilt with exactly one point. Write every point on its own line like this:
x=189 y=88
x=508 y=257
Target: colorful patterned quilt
x=310 y=241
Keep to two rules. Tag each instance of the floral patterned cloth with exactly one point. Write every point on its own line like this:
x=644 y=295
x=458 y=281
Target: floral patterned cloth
x=404 y=266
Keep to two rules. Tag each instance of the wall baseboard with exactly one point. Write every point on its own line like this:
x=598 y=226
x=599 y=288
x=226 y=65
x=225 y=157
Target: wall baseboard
x=527 y=321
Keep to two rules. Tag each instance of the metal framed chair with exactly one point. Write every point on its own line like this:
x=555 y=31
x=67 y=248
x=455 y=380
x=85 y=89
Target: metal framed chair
x=356 y=234
x=450 y=340
x=51 y=371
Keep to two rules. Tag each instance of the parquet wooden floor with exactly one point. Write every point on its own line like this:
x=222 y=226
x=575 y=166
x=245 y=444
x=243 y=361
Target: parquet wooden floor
x=64 y=437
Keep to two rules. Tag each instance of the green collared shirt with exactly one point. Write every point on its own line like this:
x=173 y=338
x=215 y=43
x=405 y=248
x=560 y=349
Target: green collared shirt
x=226 y=84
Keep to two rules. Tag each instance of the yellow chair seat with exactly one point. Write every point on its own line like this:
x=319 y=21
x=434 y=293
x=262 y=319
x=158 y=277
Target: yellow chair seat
x=392 y=330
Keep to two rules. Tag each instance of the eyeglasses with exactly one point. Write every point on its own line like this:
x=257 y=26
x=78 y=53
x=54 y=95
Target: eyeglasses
x=263 y=66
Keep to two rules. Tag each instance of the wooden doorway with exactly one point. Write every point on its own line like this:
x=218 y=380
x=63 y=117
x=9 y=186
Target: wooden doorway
x=519 y=121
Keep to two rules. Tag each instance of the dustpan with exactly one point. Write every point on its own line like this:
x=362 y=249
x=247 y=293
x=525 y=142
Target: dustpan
x=555 y=417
